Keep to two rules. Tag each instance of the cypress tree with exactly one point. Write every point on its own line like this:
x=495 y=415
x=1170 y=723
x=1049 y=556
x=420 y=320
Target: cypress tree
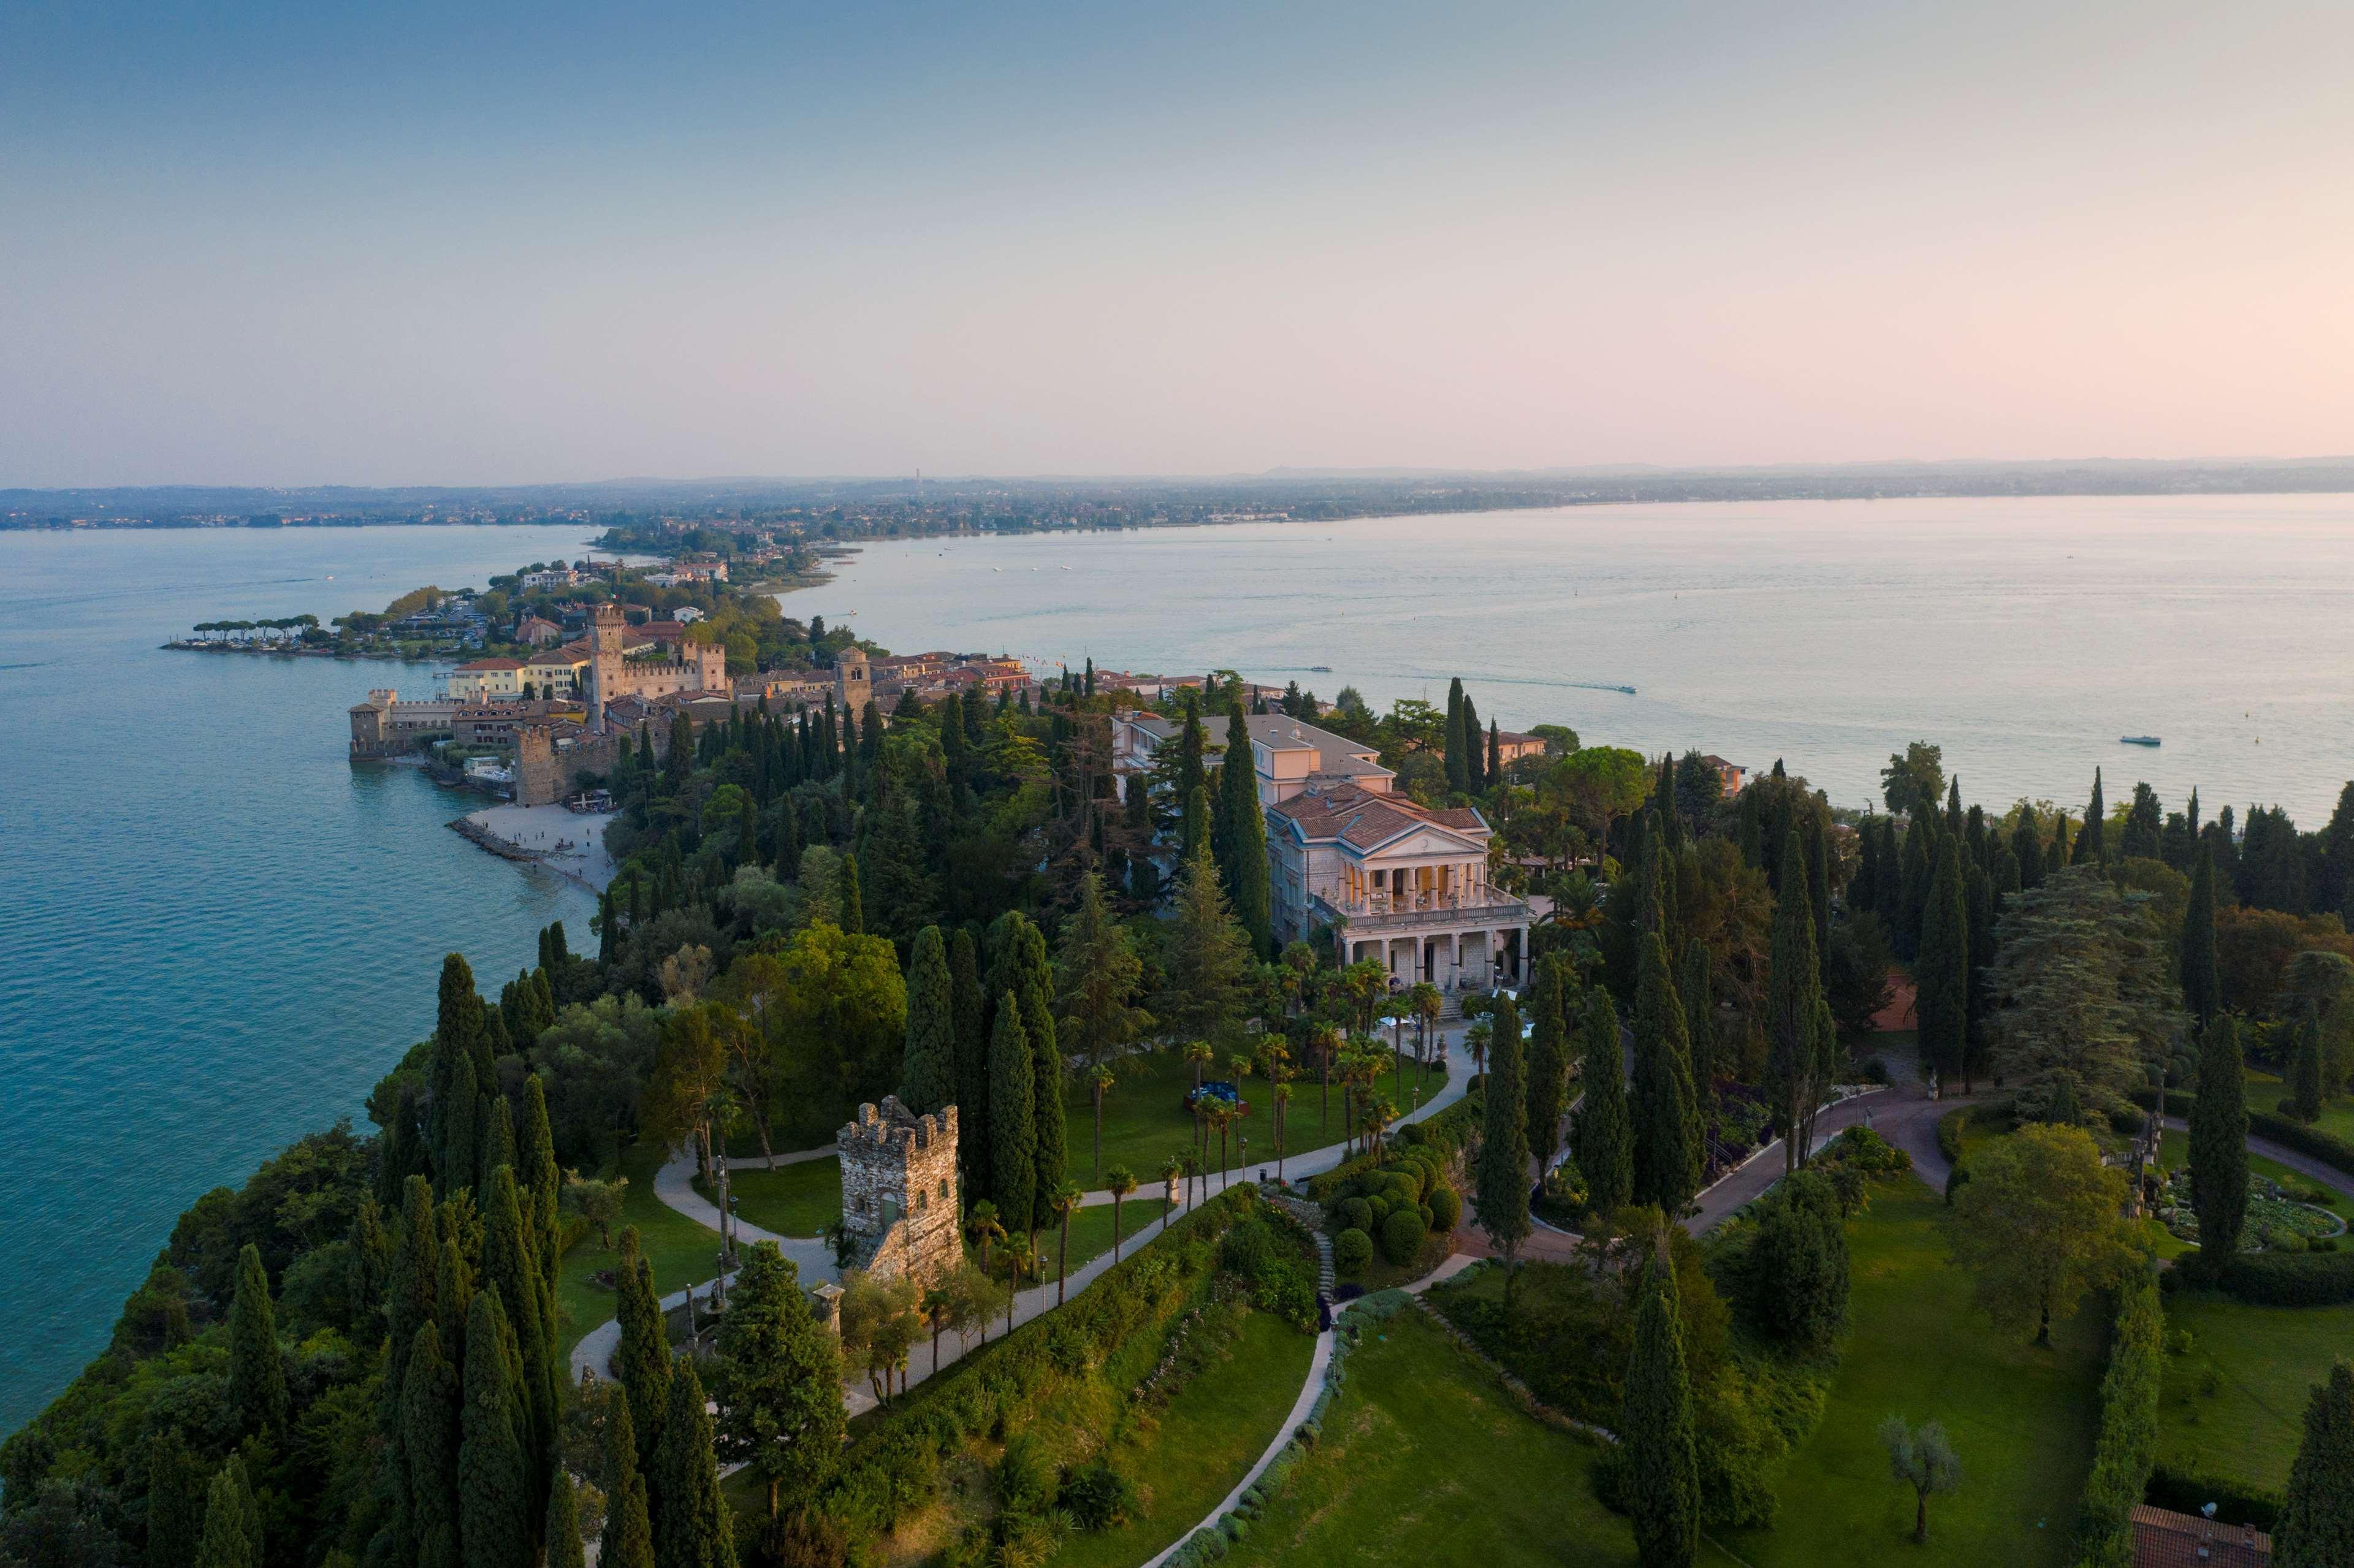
x=2304 y=1071
x=1941 y=973
x=1978 y=888
x=1459 y=776
x=1888 y=895
x=642 y=1361
x=175 y=1501
x=495 y=1129
x=780 y=1410
x=257 y=1378
x=1696 y=990
x=973 y=1061
x=428 y=1442
x=2219 y=1145
x=1245 y=871
x=1473 y=773
x=2055 y=853
x=411 y=1292
x=1867 y=870
x=232 y=1534
x=1548 y=1062
x=2201 y=987
x=1032 y=980
x=2316 y=1523
x=927 y=1069
x=692 y=1529
x=496 y=1516
x=853 y=909
x=511 y=1268
x=1501 y=1197
x=562 y=1533
x=1661 y=1453
x=1605 y=1146
x=1666 y=1120
x=458 y=1153
x=629 y=1538
x=1494 y=771
x=1014 y=1143
x=1920 y=870
x=459 y=1252
x=1793 y=998
x=2092 y=847
x=544 y=1185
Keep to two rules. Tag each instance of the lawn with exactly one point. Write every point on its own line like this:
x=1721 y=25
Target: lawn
x=2174 y=1152
x=1145 y=1120
x=2022 y=1419
x=798 y=1200
x=2266 y=1361
x=681 y=1252
x=2265 y=1091
x=1425 y=1459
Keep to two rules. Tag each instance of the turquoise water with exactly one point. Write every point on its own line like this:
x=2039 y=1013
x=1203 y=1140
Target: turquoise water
x=2025 y=636
x=215 y=933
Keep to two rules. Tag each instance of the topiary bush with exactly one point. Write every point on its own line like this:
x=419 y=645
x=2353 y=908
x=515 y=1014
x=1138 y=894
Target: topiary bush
x=1402 y=1236
x=1352 y=1250
x=1355 y=1214
x=1445 y=1209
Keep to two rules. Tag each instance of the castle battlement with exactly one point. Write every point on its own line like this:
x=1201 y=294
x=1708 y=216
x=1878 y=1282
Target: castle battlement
x=892 y=1123
x=899 y=1191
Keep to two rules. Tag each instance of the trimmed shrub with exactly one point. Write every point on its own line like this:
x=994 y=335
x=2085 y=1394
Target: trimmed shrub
x=2291 y=1279
x=1323 y=1189
x=1445 y=1209
x=1949 y=1134
x=1402 y=1236
x=2327 y=1147
x=2127 y=1446
x=1352 y=1250
x=1355 y=1214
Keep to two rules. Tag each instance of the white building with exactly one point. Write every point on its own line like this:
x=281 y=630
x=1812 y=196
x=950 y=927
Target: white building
x=1288 y=755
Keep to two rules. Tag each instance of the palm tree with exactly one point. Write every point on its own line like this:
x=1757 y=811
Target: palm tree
x=1101 y=1082
x=1199 y=1054
x=1065 y=1201
x=1475 y=1040
x=1325 y=1040
x=1193 y=1157
x=1427 y=1005
x=1172 y=1169
x=1122 y=1182
x=982 y=1222
x=1222 y=1116
x=1282 y=1087
x=939 y=1304
x=1379 y=1114
x=1021 y=1260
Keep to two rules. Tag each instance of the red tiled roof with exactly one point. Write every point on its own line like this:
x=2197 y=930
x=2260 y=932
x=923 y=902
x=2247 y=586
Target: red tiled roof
x=2164 y=1539
x=1362 y=818
x=492 y=664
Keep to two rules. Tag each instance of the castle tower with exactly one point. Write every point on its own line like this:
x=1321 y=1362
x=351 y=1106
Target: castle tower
x=853 y=683
x=711 y=666
x=899 y=1191
x=605 y=625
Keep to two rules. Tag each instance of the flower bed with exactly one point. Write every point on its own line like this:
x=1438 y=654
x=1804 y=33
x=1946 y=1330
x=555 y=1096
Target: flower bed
x=2274 y=1219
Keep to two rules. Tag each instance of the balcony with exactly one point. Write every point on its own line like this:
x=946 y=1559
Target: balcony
x=1420 y=910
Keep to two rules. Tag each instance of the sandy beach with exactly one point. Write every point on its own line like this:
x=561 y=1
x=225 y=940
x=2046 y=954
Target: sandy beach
x=568 y=842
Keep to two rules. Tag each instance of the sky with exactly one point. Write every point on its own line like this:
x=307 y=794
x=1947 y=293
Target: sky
x=485 y=243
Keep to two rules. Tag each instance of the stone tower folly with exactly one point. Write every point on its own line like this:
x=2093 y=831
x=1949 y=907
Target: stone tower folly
x=899 y=1192
x=605 y=625
x=854 y=682
x=711 y=666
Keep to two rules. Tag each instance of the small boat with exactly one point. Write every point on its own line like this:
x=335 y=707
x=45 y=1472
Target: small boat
x=1319 y=669
x=2137 y=740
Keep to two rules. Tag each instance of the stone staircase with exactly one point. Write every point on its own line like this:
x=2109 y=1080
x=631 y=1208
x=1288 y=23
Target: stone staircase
x=1312 y=1216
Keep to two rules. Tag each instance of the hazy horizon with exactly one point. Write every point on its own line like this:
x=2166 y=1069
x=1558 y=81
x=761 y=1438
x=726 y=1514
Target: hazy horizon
x=475 y=247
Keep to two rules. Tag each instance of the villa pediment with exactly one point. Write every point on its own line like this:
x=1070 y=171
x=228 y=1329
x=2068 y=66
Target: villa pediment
x=1427 y=841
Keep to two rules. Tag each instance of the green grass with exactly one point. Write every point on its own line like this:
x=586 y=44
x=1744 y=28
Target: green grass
x=2174 y=1152
x=681 y=1252
x=790 y=1201
x=2022 y=1419
x=1211 y=1432
x=1145 y=1120
x=1091 y=1231
x=1425 y=1459
x=2266 y=1090
x=2266 y=1361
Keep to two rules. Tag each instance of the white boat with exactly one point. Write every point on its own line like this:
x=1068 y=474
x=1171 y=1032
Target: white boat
x=2139 y=740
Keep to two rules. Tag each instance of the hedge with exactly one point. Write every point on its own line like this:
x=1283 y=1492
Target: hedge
x=1949 y=1134
x=2291 y=1279
x=2235 y=1501
x=893 y=1468
x=1321 y=1188
x=2127 y=1444
x=2286 y=1131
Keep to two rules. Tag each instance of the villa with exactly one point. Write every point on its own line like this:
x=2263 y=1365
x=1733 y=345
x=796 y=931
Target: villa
x=1291 y=756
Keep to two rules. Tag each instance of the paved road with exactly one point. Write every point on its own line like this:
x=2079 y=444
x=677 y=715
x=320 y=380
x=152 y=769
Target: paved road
x=2305 y=1165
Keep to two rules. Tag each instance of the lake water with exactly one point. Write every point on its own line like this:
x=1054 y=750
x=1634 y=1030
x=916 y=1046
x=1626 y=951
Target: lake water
x=215 y=933
x=2024 y=636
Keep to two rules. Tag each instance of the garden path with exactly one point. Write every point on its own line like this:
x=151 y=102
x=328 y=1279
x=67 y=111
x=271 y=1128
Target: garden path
x=2305 y=1165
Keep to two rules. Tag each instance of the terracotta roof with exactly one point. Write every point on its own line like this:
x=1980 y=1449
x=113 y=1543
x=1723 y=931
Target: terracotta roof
x=492 y=664
x=1361 y=819
x=2164 y=1539
x=664 y=630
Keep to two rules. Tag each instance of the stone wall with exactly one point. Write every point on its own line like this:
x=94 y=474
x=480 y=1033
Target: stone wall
x=899 y=1191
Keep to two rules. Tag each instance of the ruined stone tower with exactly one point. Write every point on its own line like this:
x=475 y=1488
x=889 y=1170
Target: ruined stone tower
x=899 y=1191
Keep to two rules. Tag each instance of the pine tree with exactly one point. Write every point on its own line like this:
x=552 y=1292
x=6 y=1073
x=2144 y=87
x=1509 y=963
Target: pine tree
x=2316 y=1523
x=429 y=1441
x=642 y=1361
x=1604 y=1140
x=562 y=1533
x=1696 y=989
x=629 y=1538
x=973 y=1061
x=2219 y=1144
x=1206 y=959
x=1014 y=1142
x=496 y=1516
x=1548 y=1059
x=1941 y=973
x=778 y=1382
x=1793 y=999
x=1661 y=1453
x=232 y=1534
x=927 y=1070
x=2201 y=987
x=2092 y=847
x=257 y=1377
x=1501 y=1199
x=1666 y=1119
x=691 y=1528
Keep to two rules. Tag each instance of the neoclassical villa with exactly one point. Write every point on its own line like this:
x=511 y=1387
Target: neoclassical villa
x=1394 y=881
